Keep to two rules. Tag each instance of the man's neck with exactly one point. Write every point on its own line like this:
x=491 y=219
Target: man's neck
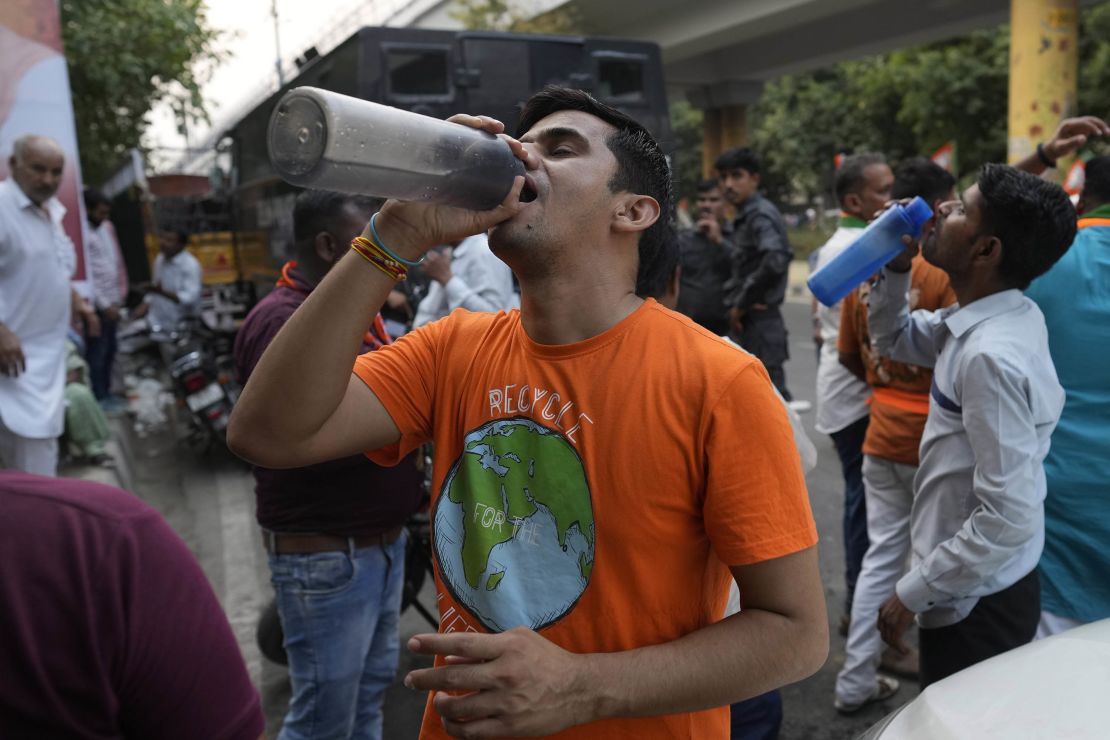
x=739 y=206
x=971 y=288
x=311 y=273
x=852 y=220
x=564 y=311
x=1096 y=210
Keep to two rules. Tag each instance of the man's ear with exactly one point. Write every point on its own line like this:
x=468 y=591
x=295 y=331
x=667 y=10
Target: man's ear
x=987 y=251
x=852 y=204
x=635 y=213
x=326 y=247
x=1081 y=205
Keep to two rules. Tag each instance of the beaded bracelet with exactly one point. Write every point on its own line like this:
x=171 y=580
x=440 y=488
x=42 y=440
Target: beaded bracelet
x=394 y=270
x=389 y=252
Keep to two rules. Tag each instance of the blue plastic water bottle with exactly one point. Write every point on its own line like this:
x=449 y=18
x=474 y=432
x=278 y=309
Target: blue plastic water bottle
x=878 y=244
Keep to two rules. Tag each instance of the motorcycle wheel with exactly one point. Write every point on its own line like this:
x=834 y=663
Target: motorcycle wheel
x=199 y=438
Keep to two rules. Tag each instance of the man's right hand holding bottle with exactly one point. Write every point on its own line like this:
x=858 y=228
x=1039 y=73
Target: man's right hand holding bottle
x=412 y=228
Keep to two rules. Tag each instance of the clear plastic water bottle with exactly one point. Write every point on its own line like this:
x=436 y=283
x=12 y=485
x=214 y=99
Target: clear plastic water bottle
x=321 y=139
x=880 y=242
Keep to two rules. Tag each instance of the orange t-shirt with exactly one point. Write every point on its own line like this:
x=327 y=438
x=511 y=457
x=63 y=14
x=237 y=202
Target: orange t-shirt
x=593 y=491
x=900 y=403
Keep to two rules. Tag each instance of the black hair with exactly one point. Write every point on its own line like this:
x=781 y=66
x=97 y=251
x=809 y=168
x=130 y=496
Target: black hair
x=1033 y=218
x=642 y=167
x=740 y=158
x=318 y=210
x=180 y=232
x=920 y=176
x=94 y=198
x=1096 y=183
x=851 y=177
x=654 y=280
x=709 y=183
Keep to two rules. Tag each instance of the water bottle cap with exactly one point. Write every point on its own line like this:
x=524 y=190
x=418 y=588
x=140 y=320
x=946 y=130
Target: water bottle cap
x=918 y=212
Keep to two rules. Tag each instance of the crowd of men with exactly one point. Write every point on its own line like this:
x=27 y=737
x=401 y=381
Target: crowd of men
x=605 y=468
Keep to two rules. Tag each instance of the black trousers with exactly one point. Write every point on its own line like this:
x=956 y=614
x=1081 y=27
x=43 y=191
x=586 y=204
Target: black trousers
x=999 y=622
x=765 y=335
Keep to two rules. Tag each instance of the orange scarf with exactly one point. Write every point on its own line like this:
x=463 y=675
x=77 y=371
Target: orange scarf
x=376 y=336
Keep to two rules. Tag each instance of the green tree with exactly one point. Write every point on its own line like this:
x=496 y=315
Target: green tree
x=1094 y=60
x=903 y=104
x=686 y=126
x=502 y=15
x=908 y=103
x=124 y=57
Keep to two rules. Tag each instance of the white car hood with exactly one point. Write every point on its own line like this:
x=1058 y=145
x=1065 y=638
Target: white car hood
x=1054 y=688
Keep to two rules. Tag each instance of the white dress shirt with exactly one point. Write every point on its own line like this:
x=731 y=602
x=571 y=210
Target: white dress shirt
x=479 y=282
x=182 y=276
x=841 y=396
x=37 y=260
x=977 y=525
x=104 y=267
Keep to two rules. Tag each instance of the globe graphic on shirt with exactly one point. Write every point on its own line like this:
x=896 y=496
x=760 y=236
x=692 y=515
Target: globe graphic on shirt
x=514 y=525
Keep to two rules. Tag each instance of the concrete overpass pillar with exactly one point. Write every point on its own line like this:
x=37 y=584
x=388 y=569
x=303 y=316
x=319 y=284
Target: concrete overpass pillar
x=723 y=128
x=724 y=106
x=1044 y=66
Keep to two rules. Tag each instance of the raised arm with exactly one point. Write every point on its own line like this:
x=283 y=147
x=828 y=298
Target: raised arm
x=302 y=405
x=1070 y=135
x=895 y=332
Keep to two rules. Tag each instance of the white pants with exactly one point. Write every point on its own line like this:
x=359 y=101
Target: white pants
x=39 y=456
x=1053 y=624
x=888 y=487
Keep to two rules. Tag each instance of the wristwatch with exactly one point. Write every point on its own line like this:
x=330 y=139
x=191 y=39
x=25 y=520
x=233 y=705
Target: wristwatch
x=1043 y=156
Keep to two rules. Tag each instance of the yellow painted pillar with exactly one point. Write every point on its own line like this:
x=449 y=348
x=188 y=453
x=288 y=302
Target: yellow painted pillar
x=1044 y=66
x=722 y=128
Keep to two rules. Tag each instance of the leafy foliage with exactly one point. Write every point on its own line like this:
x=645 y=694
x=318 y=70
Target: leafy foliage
x=686 y=125
x=502 y=15
x=908 y=103
x=125 y=56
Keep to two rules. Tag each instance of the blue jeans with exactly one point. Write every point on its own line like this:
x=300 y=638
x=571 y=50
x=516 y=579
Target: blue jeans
x=758 y=718
x=340 y=613
x=100 y=354
x=849 y=448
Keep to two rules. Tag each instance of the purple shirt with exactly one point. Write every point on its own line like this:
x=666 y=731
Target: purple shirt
x=347 y=497
x=108 y=627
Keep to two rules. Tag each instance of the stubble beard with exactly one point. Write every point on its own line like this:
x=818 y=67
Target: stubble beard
x=529 y=249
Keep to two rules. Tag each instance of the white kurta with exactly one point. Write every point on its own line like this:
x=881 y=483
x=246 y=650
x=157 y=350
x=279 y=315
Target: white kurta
x=36 y=262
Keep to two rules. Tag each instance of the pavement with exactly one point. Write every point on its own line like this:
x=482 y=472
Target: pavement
x=209 y=501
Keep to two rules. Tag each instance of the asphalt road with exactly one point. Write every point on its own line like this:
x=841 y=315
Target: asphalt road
x=210 y=502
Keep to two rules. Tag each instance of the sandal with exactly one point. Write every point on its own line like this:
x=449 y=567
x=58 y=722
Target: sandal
x=885 y=687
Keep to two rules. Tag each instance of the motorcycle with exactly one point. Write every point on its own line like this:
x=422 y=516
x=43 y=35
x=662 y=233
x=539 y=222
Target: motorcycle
x=201 y=371
x=204 y=380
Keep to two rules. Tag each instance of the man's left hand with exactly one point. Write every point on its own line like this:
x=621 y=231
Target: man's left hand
x=515 y=683
x=894 y=620
x=437 y=266
x=736 y=319
x=92 y=322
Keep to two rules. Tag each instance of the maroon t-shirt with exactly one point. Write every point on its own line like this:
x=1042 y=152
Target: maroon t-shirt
x=108 y=627
x=348 y=497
